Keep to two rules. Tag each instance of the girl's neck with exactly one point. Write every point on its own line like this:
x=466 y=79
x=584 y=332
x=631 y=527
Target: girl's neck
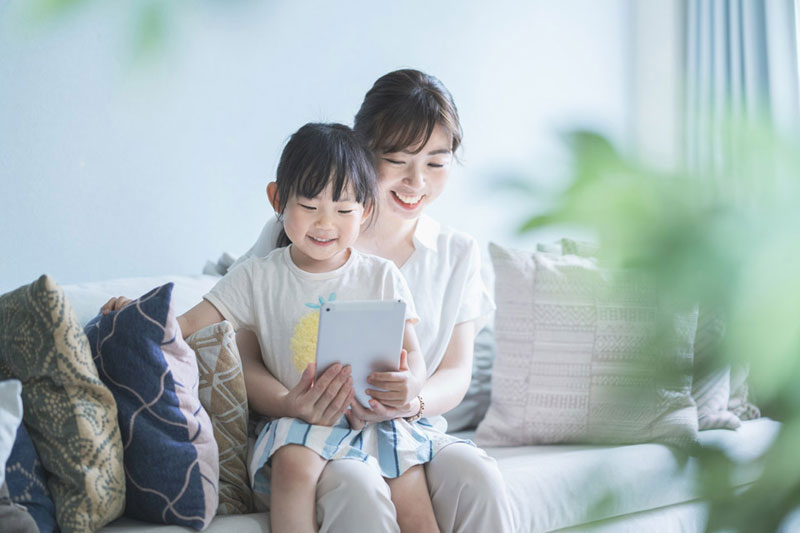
x=314 y=266
x=389 y=237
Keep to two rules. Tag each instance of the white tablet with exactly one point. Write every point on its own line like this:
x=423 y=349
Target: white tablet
x=367 y=335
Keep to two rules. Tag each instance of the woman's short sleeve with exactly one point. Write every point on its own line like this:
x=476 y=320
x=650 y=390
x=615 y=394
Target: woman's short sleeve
x=476 y=300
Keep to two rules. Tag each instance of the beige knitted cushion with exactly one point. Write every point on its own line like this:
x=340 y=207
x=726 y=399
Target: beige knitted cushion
x=581 y=357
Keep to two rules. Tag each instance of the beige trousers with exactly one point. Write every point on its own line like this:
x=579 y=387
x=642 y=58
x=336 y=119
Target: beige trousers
x=467 y=491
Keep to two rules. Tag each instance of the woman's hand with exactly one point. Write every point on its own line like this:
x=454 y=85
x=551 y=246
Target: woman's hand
x=400 y=387
x=321 y=403
x=115 y=304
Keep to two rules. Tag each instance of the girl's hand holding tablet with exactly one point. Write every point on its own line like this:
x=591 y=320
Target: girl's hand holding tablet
x=322 y=402
x=399 y=387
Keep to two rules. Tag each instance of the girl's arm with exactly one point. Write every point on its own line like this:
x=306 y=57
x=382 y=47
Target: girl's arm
x=321 y=402
x=201 y=315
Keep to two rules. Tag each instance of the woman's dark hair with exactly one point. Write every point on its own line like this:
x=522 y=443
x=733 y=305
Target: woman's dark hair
x=401 y=110
x=318 y=154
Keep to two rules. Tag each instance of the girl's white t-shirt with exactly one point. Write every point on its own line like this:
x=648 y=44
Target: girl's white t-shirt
x=280 y=302
x=443 y=274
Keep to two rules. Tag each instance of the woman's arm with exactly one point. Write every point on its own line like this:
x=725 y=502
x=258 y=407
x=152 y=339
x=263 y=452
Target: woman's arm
x=445 y=389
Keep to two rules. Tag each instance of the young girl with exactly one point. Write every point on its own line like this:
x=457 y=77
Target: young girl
x=324 y=191
x=411 y=124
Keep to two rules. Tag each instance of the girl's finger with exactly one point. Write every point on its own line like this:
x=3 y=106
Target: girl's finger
x=338 y=404
x=378 y=377
x=323 y=381
x=386 y=396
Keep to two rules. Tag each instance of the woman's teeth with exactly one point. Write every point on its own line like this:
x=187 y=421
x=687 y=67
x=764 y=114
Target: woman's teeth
x=410 y=200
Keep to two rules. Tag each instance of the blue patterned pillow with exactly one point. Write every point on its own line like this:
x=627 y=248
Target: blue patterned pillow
x=170 y=454
x=27 y=484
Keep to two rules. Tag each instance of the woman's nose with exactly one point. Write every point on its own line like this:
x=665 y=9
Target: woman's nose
x=416 y=177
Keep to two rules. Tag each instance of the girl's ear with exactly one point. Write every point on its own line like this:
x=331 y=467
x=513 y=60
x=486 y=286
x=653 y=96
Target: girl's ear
x=272 y=194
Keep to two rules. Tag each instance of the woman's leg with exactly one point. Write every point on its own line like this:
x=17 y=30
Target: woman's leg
x=467 y=491
x=412 y=501
x=293 y=486
x=353 y=496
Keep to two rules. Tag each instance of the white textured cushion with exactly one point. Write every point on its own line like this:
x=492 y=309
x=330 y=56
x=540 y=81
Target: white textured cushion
x=577 y=357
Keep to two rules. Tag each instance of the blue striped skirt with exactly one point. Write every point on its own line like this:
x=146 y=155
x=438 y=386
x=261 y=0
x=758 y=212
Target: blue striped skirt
x=392 y=446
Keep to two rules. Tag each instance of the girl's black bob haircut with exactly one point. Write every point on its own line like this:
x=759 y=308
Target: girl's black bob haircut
x=321 y=153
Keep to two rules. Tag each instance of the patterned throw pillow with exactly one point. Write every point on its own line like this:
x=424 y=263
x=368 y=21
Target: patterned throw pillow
x=70 y=415
x=738 y=403
x=27 y=483
x=222 y=393
x=711 y=383
x=171 y=463
x=578 y=360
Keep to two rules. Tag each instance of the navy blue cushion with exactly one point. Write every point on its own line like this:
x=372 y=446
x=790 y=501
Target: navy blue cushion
x=170 y=454
x=27 y=484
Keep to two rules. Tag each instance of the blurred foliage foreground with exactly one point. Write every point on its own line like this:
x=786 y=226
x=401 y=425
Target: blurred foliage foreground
x=729 y=240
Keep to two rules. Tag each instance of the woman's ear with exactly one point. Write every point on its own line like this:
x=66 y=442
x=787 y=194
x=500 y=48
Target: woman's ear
x=272 y=194
x=365 y=216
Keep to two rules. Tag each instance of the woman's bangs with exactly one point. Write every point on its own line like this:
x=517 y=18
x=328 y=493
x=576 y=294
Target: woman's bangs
x=400 y=132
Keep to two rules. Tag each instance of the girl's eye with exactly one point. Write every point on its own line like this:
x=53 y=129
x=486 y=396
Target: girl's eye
x=308 y=207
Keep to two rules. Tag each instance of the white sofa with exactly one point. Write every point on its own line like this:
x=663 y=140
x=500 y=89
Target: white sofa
x=644 y=487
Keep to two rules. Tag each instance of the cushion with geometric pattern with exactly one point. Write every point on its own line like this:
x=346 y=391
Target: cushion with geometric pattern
x=223 y=394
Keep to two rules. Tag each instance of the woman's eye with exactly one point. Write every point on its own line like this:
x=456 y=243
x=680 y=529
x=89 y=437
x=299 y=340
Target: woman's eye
x=393 y=161
x=436 y=165
x=345 y=211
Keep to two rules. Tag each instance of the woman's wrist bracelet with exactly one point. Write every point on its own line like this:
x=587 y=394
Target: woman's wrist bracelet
x=417 y=416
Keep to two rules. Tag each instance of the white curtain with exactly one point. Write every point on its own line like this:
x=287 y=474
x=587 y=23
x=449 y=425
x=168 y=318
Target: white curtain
x=741 y=68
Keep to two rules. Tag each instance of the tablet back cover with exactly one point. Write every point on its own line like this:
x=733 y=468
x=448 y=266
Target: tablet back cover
x=367 y=335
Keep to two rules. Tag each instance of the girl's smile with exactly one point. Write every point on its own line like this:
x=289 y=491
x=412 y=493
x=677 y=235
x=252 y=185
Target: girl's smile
x=322 y=229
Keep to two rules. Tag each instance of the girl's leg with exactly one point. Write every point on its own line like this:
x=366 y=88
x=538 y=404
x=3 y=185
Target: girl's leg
x=293 y=488
x=412 y=501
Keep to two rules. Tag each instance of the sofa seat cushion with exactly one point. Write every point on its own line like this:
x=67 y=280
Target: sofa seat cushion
x=557 y=486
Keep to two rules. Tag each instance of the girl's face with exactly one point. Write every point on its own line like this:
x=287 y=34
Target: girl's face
x=409 y=181
x=322 y=229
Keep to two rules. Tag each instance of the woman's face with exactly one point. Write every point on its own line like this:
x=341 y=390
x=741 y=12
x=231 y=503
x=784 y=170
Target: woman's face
x=409 y=181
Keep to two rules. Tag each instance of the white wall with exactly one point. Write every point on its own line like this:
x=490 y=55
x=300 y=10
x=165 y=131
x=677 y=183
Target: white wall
x=114 y=167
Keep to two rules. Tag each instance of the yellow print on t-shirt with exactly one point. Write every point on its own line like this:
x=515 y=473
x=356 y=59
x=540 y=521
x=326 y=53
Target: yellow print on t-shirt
x=304 y=338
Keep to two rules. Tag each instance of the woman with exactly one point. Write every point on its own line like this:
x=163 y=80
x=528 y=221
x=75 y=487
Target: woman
x=410 y=122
